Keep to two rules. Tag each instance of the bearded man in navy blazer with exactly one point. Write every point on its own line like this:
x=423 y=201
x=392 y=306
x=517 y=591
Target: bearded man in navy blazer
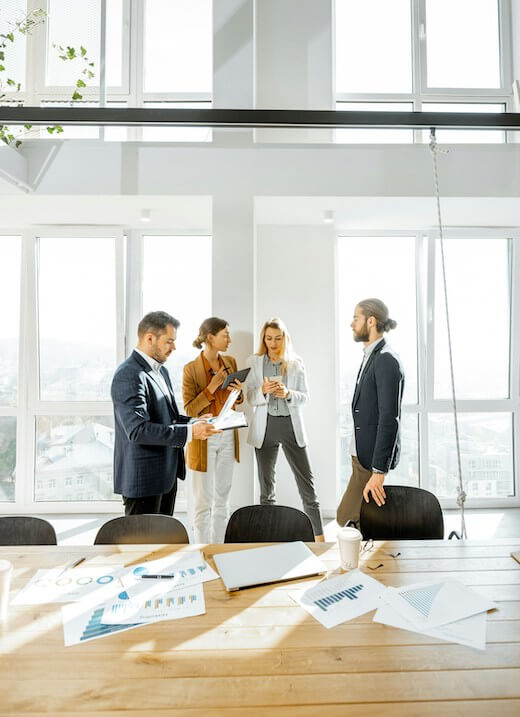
x=376 y=411
x=150 y=433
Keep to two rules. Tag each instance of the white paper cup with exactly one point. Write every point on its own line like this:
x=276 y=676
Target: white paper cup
x=6 y=570
x=349 y=543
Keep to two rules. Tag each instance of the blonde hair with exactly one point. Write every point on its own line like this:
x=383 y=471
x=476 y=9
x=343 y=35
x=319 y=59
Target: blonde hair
x=286 y=354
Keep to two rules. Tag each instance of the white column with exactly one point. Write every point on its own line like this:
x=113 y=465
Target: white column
x=295 y=281
x=294 y=54
x=233 y=54
x=233 y=300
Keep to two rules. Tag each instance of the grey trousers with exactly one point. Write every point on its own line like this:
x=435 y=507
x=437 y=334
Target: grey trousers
x=280 y=431
x=350 y=505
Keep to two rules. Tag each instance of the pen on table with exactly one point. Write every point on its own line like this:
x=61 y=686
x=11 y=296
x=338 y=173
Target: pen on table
x=157 y=577
x=71 y=565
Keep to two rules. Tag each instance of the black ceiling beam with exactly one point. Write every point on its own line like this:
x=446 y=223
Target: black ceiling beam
x=314 y=119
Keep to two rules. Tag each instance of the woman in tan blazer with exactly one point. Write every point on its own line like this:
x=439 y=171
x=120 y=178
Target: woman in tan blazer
x=210 y=462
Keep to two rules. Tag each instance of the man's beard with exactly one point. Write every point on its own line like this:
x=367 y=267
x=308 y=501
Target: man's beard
x=361 y=335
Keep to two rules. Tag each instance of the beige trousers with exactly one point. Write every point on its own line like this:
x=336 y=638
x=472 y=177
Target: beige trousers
x=350 y=505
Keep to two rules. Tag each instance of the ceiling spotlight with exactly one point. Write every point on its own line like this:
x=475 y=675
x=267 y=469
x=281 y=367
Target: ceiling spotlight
x=146 y=215
x=328 y=216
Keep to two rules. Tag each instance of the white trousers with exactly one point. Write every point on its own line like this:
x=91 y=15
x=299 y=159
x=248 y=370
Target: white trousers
x=210 y=490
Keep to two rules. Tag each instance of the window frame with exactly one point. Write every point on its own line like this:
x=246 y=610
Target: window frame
x=131 y=89
x=425 y=247
x=421 y=93
x=29 y=404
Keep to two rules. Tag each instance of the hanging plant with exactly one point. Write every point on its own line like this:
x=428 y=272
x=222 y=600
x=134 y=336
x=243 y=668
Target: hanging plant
x=25 y=26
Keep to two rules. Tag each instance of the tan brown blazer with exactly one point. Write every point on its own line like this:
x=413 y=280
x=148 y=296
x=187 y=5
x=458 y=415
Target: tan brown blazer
x=196 y=403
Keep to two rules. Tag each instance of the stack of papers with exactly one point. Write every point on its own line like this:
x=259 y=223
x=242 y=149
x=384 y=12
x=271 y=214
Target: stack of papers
x=445 y=609
x=111 y=599
x=228 y=418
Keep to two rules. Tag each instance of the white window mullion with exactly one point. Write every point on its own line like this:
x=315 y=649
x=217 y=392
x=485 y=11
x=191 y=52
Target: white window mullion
x=134 y=290
x=135 y=98
x=28 y=375
x=514 y=368
x=120 y=250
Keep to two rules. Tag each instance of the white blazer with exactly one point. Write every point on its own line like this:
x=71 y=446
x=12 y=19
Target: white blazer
x=296 y=384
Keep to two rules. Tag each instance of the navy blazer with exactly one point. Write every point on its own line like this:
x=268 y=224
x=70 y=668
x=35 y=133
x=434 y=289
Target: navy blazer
x=150 y=433
x=376 y=410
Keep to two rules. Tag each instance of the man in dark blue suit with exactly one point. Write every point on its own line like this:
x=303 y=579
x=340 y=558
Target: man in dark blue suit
x=376 y=411
x=150 y=433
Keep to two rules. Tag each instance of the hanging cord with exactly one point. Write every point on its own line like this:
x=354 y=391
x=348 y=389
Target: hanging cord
x=461 y=495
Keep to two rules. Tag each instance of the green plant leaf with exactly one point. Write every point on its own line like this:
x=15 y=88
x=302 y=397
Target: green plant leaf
x=28 y=126
x=2 y=55
x=2 y=68
x=10 y=82
x=59 y=128
x=77 y=96
x=90 y=75
x=9 y=36
x=80 y=83
x=50 y=130
x=71 y=53
x=83 y=51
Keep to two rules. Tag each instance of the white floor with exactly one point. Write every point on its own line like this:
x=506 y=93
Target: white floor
x=480 y=525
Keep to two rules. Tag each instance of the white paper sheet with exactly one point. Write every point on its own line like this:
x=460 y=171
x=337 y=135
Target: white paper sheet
x=339 y=599
x=470 y=631
x=188 y=568
x=148 y=607
x=436 y=603
x=54 y=585
x=82 y=622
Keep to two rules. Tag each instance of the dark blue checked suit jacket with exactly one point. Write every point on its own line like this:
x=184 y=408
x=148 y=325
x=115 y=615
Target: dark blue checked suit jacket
x=150 y=433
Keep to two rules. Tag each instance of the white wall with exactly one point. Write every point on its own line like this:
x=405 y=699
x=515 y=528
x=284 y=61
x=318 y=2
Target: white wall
x=294 y=280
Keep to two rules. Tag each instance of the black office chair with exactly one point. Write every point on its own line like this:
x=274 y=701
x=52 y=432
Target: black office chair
x=268 y=524
x=152 y=528
x=26 y=530
x=408 y=514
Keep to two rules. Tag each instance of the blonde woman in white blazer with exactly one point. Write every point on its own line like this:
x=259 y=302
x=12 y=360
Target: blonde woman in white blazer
x=276 y=388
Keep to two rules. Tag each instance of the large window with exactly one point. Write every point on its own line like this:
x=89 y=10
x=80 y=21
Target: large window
x=437 y=55
x=171 y=267
x=483 y=336
x=155 y=50
x=77 y=338
x=83 y=294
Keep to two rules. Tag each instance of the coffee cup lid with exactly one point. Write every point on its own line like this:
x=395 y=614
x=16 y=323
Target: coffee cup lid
x=350 y=533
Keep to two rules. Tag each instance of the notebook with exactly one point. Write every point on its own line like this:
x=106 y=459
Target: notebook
x=270 y=564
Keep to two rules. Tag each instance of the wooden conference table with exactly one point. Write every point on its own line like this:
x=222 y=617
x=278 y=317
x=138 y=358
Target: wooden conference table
x=256 y=652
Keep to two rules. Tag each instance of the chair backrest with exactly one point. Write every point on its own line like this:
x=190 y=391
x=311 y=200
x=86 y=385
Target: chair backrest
x=408 y=514
x=268 y=524
x=153 y=528
x=26 y=530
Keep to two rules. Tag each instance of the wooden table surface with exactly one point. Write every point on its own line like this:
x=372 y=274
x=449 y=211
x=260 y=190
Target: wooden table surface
x=255 y=652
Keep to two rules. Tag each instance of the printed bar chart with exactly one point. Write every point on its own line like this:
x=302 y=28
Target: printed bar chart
x=325 y=603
